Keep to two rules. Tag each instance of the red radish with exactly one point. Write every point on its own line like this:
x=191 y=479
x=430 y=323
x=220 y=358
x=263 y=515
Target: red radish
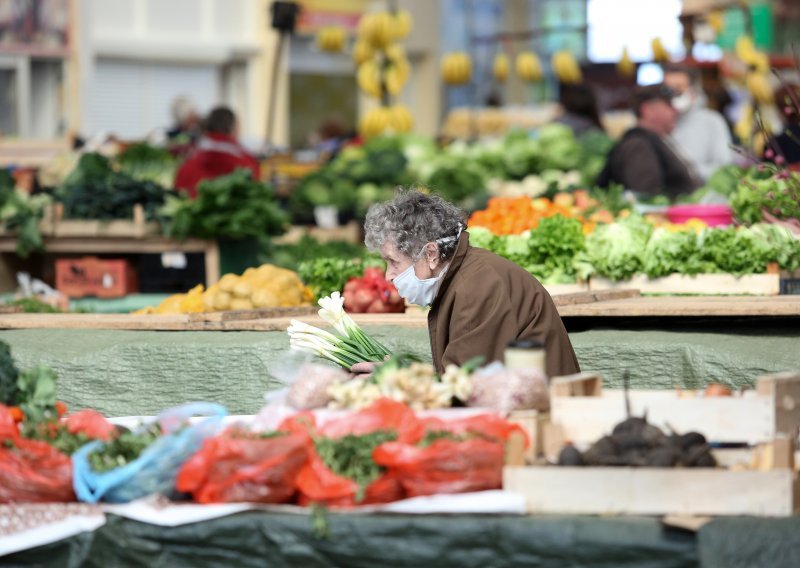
x=372 y=293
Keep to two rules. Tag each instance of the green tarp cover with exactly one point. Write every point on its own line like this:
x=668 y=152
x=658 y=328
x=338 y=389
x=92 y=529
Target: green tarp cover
x=261 y=539
x=142 y=372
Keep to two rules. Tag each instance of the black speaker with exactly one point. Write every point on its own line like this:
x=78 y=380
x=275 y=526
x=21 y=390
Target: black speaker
x=284 y=16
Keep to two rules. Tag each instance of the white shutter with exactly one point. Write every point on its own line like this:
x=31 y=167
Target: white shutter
x=131 y=98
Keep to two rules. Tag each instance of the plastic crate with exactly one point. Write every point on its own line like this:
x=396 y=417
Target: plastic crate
x=92 y=276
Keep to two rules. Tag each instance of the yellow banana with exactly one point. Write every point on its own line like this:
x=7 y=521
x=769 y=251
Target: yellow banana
x=660 y=54
x=331 y=39
x=394 y=81
x=401 y=24
x=744 y=126
x=759 y=88
x=362 y=52
x=745 y=49
x=375 y=122
x=500 y=67
x=368 y=78
x=528 y=66
x=378 y=29
x=456 y=68
x=625 y=66
x=400 y=119
x=566 y=67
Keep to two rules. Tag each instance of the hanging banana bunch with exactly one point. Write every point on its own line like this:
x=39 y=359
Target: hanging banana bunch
x=660 y=53
x=747 y=52
x=528 y=67
x=566 y=67
x=758 y=86
x=500 y=67
x=625 y=66
x=456 y=68
x=331 y=39
x=383 y=70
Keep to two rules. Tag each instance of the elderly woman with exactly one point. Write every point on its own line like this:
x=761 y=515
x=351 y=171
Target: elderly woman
x=479 y=301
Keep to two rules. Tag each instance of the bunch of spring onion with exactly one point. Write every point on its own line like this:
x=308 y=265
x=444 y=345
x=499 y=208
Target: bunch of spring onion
x=346 y=346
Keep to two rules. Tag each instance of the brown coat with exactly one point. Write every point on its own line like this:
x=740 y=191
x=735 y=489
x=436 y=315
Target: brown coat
x=485 y=302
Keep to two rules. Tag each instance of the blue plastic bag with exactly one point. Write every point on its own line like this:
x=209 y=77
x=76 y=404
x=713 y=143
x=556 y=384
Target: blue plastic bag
x=155 y=470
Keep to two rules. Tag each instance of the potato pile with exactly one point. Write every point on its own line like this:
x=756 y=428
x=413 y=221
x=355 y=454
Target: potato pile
x=267 y=286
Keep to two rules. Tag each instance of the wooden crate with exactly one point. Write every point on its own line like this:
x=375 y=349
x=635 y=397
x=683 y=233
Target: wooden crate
x=582 y=411
x=137 y=227
x=701 y=284
x=756 y=480
x=654 y=491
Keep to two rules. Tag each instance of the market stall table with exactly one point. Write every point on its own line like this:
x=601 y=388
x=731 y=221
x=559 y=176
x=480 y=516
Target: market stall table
x=125 y=364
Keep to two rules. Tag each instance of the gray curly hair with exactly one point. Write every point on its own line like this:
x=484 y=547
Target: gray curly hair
x=413 y=219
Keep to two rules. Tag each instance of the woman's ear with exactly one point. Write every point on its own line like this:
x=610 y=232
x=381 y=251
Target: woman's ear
x=432 y=255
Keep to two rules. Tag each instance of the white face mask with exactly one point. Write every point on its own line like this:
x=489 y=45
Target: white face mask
x=416 y=291
x=683 y=102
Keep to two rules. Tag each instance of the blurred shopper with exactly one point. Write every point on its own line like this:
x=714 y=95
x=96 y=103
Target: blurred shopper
x=216 y=154
x=701 y=135
x=784 y=149
x=186 y=121
x=580 y=111
x=643 y=160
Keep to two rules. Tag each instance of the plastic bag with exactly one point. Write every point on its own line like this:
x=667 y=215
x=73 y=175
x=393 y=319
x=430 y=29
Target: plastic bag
x=310 y=387
x=383 y=414
x=155 y=470
x=317 y=483
x=504 y=390
x=31 y=471
x=91 y=423
x=446 y=466
x=234 y=467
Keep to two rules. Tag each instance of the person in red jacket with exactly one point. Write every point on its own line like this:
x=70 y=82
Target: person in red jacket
x=216 y=154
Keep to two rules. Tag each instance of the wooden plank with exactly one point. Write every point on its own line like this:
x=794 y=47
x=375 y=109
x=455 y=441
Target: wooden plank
x=533 y=423
x=258 y=313
x=748 y=418
x=182 y=322
x=653 y=491
x=114 y=245
x=590 y=297
x=756 y=284
x=687 y=306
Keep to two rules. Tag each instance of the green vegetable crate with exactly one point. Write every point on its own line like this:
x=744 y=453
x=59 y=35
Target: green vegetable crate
x=751 y=434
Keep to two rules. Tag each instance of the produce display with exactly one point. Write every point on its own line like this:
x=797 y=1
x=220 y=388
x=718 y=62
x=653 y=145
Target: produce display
x=635 y=442
x=266 y=286
x=234 y=206
x=20 y=214
x=410 y=382
x=96 y=190
x=372 y=294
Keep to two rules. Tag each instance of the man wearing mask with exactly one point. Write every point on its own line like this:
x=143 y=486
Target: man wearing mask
x=643 y=160
x=701 y=135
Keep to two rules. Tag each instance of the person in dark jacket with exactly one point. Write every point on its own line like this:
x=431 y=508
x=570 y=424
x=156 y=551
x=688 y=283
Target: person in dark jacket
x=644 y=160
x=216 y=154
x=580 y=109
x=479 y=302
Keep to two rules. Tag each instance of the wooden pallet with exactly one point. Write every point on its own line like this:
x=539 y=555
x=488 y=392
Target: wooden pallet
x=137 y=227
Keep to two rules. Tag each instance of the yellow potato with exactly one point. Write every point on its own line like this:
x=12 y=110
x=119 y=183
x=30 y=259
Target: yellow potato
x=222 y=301
x=241 y=304
x=242 y=289
x=263 y=298
x=227 y=282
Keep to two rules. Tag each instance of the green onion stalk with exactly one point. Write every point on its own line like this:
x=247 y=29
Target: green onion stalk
x=348 y=346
